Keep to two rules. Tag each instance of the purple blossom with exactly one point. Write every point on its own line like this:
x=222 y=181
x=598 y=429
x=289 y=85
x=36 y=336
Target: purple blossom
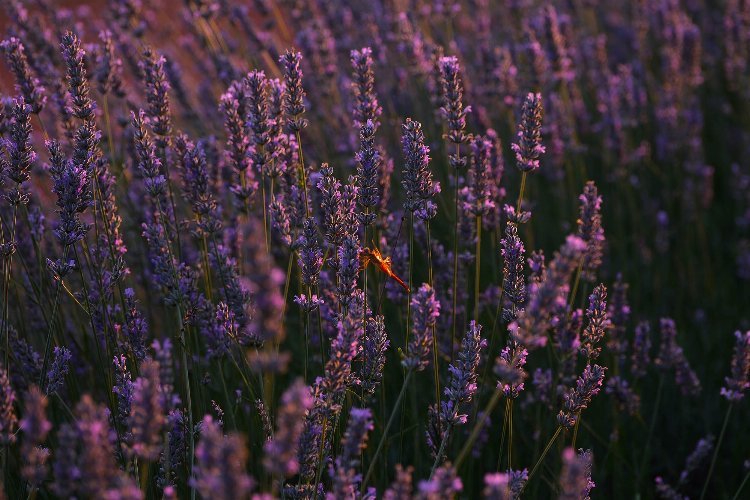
x=529 y=147
x=108 y=72
x=401 y=488
x=671 y=356
x=78 y=84
x=135 y=329
x=8 y=419
x=123 y=390
x=366 y=108
x=453 y=109
x=149 y=164
x=597 y=323
x=514 y=286
x=146 y=420
x=157 y=95
x=738 y=382
x=72 y=187
x=444 y=485
x=590 y=230
x=548 y=297
x=29 y=86
x=479 y=201
x=61 y=357
x=575 y=478
x=425 y=311
x=619 y=315
x=624 y=395
x=417 y=178
x=233 y=105
x=347 y=271
x=220 y=464
x=336 y=221
x=462 y=384
x=35 y=427
x=260 y=123
x=18 y=154
x=509 y=369
x=345 y=477
x=281 y=451
x=579 y=397
x=294 y=105
x=374 y=347
x=368 y=173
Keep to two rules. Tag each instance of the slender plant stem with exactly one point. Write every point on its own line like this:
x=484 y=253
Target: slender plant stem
x=494 y=400
x=477 y=267
x=384 y=436
x=443 y=445
x=455 y=255
x=541 y=458
x=302 y=171
x=716 y=451
x=647 y=451
x=575 y=429
x=742 y=485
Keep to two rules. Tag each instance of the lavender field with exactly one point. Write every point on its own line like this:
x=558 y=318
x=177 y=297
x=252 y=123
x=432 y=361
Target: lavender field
x=307 y=249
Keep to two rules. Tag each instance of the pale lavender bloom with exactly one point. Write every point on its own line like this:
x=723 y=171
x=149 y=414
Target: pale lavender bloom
x=547 y=298
x=590 y=230
x=85 y=460
x=462 y=384
x=509 y=369
x=244 y=184
x=280 y=453
x=26 y=83
x=220 y=464
x=479 y=201
x=665 y=491
x=671 y=355
x=575 y=478
x=259 y=122
x=18 y=154
x=444 y=485
x=58 y=369
x=368 y=173
x=310 y=261
x=146 y=420
x=83 y=106
x=375 y=345
x=496 y=486
x=149 y=164
x=177 y=437
x=702 y=451
x=347 y=271
x=417 y=177
x=345 y=477
x=640 y=358
x=280 y=220
x=453 y=109
x=8 y=419
x=425 y=311
x=108 y=72
x=738 y=382
x=579 y=397
x=338 y=370
x=529 y=147
x=514 y=286
x=335 y=221
x=401 y=488
x=35 y=427
x=135 y=329
x=619 y=315
x=597 y=324
x=72 y=186
x=157 y=95
x=366 y=108
x=294 y=105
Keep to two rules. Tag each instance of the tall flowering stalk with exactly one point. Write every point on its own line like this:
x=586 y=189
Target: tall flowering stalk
x=344 y=475
x=294 y=108
x=736 y=385
x=590 y=230
x=528 y=148
x=454 y=113
x=29 y=86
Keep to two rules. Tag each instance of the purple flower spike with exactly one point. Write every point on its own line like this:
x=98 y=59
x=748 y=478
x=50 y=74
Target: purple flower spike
x=83 y=106
x=453 y=109
x=8 y=419
x=671 y=356
x=147 y=417
x=590 y=230
x=738 y=382
x=444 y=485
x=294 y=105
x=575 y=478
x=367 y=108
x=514 y=285
x=35 y=427
x=463 y=376
x=598 y=323
x=425 y=311
x=529 y=147
x=26 y=83
x=220 y=464
x=281 y=451
x=157 y=95
x=417 y=178
x=509 y=369
x=578 y=398
x=345 y=478
x=375 y=346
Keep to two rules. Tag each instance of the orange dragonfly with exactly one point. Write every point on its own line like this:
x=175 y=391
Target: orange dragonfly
x=366 y=255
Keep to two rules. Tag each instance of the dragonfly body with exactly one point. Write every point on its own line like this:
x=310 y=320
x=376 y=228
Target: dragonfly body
x=368 y=255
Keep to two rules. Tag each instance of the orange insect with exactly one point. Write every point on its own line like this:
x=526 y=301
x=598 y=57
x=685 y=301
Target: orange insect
x=384 y=263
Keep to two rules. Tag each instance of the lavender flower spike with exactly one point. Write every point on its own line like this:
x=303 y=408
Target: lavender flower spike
x=280 y=457
x=578 y=398
x=598 y=323
x=368 y=173
x=366 y=108
x=294 y=95
x=738 y=382
x=590 y=230
x=8 y=419
x=220 y=464
x=35 y=427
x=345 y=478
x=58 y=369
x=348 y=270
x=147 y=417
x=26 y=83
x=514 y=285
x=374 y=347
x=425 y=310
x=453 y=109
x=417 y=178
x=83 y=106
x=575 y=478
x=463 y=379
x=444 y=485
x=529 y=147
x=157 y=95
x=671 y=356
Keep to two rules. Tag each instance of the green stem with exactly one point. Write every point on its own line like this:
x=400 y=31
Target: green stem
x=541 y=458
x=478 y=427
x=477 y=266
x=716 y=451
x=655 y=412
x=742 y=485
x=384 y=436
